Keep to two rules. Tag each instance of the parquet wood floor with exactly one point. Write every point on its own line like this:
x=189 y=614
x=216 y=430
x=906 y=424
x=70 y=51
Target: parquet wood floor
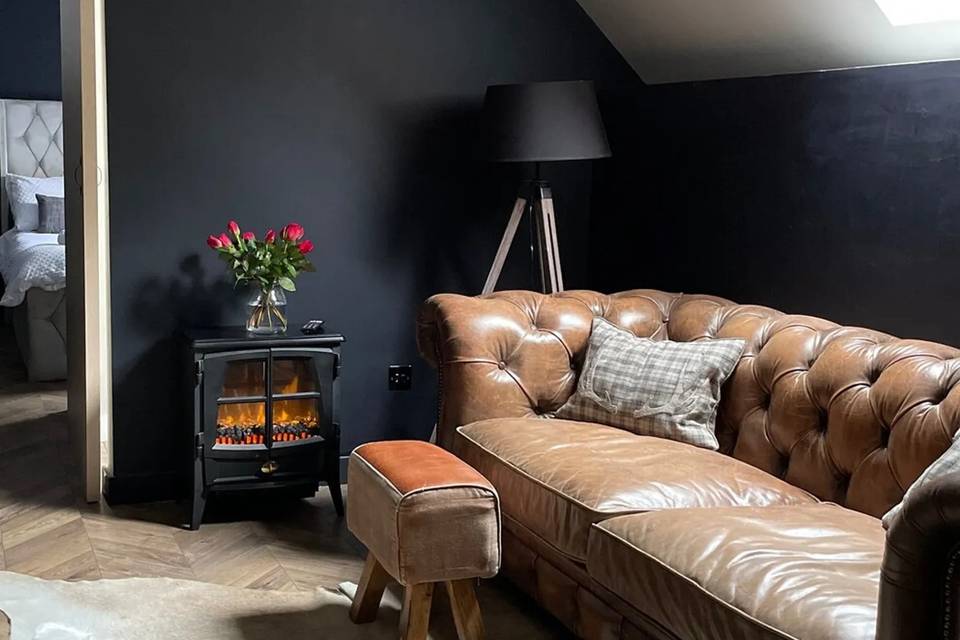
x=46 y=531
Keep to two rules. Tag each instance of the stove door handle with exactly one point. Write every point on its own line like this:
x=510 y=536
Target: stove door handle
x=269 y=467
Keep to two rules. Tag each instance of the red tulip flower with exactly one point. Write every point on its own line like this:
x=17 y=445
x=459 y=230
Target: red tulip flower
x=292 y=232
x=276 y=261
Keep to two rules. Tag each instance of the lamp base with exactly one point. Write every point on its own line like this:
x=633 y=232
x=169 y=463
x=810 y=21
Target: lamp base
x=536 y=200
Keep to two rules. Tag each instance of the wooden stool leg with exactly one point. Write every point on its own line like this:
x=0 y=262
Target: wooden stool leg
x=366 y=602
x=415 y=618
x=466 y=609
x=4 y=626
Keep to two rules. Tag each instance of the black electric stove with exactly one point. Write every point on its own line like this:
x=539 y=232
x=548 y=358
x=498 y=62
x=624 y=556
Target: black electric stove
x=265 y=413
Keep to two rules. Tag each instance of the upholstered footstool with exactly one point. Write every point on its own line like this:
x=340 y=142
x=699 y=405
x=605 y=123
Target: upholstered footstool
x=425 y=517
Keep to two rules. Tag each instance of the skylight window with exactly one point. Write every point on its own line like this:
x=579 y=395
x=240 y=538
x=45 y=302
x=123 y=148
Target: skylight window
x=906 y=12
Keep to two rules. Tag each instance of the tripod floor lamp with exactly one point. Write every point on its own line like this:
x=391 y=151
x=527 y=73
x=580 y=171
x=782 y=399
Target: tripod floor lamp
x=540 y=122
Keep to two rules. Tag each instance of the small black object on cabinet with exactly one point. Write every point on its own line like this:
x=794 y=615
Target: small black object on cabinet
x=312 y=327
x=265 y=414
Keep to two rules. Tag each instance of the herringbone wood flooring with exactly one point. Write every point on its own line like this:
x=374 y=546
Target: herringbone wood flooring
x=46 y=531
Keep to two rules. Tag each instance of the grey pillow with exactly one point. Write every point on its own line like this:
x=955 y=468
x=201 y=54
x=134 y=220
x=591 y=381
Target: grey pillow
x=22 y=192
x=653 y=387
x=52 y=218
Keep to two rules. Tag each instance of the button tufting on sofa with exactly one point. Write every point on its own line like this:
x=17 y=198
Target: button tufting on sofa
x=849 y=415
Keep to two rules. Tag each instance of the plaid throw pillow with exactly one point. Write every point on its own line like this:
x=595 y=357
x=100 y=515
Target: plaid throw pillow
x=650 y=387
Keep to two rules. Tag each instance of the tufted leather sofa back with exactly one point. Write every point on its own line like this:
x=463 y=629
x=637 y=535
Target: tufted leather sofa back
x=851 y=415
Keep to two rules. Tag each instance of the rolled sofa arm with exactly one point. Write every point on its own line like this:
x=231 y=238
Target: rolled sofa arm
x=428 y=328
x=920 y=575
x=493 y=359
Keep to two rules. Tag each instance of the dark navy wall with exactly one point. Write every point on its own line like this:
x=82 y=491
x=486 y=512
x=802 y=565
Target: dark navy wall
x=833 y=194
x=30 y=49
x=357 y=118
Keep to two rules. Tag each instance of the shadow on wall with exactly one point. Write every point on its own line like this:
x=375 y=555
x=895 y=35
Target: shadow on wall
x=432 y=215
x=426 y=235
x=446 y=209
x=163 y=307
x=449 y=204
x=189 y=299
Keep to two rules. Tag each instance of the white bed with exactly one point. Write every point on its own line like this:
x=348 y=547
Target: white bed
x=30 y=260
x=32 y=264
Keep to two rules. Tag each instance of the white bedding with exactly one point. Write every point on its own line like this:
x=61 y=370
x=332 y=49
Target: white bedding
x=29 y=259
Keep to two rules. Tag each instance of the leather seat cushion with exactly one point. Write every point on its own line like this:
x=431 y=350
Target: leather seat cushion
x=809 y=571
x=558 y=477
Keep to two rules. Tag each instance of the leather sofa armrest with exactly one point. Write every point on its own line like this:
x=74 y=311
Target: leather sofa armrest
x=507 y=355
x=463 y=338
x=919 y=582
x=428 y=329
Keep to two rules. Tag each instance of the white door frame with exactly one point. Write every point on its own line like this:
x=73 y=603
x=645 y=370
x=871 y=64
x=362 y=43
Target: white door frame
x=88 y=243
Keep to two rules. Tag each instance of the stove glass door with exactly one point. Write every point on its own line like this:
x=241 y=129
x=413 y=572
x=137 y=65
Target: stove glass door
x=296 y=398
x=242 y=404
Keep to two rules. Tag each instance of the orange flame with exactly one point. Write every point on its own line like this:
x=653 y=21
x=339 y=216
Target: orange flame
x=284 y=411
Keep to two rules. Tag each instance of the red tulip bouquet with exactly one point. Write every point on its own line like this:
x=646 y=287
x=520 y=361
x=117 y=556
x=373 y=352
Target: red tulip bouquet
x=270 y=264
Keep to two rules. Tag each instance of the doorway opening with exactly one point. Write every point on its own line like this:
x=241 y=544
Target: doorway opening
x=54 y=232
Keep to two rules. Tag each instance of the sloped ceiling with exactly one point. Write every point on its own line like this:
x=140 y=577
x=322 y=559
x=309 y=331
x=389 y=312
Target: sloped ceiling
x=681 y=40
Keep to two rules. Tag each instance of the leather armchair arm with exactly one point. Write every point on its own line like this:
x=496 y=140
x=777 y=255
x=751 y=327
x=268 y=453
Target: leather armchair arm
x=919 y=582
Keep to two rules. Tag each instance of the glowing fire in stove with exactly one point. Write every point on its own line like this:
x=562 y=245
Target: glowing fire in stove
x=243 y=423
x=284 y=411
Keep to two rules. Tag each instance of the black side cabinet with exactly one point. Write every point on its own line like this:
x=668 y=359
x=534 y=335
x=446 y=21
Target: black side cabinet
x=265 y=413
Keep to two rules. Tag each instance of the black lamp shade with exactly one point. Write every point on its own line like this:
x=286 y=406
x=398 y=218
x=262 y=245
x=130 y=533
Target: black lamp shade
x=544 y=122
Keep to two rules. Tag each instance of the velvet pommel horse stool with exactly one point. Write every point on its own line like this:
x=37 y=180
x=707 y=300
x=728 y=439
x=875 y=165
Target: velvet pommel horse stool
x=426 y=517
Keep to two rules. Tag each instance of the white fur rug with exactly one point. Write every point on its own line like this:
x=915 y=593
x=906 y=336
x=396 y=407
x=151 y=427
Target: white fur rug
x=167 y=609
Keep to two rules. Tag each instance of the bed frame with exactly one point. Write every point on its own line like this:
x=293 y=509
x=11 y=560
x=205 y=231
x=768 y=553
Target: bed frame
x=31 y=144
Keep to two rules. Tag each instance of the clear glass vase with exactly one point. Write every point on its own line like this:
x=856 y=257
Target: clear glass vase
x=267 y=311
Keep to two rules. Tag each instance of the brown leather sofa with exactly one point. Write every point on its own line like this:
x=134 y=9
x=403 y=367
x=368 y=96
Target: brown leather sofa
x=778 y=535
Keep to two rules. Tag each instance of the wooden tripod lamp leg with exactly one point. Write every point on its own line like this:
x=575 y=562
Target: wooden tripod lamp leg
x=366 y=602
x=539 y=246
x=548 y=275
x=550 y=224
x=548 y=247
x=505 y=242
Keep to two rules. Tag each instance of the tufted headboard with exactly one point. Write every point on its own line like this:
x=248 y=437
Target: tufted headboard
x=31 y=143
x=850 y=415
